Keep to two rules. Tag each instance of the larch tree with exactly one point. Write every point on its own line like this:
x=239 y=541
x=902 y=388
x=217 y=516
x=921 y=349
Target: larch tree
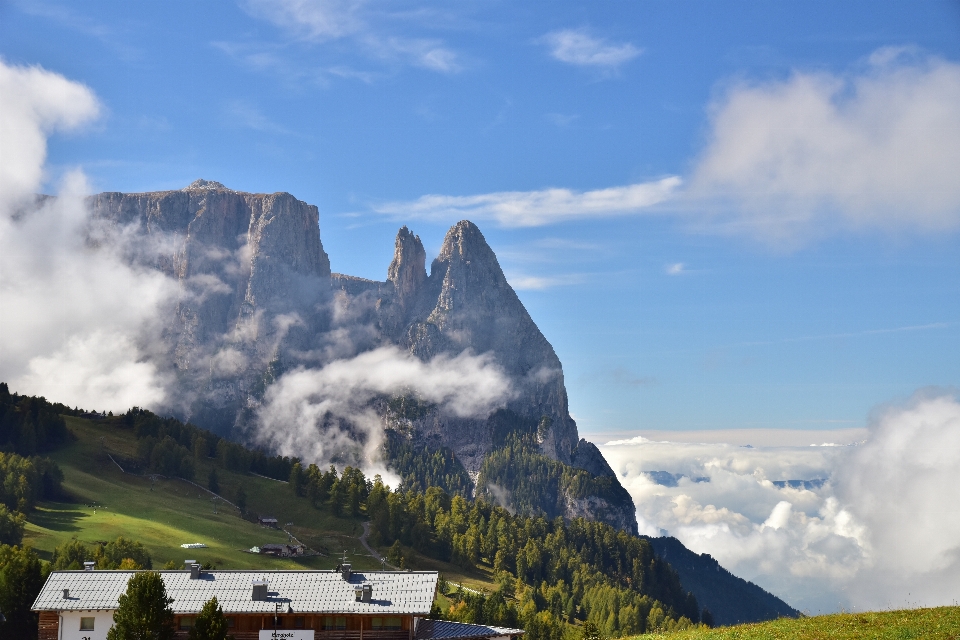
x=144 y=612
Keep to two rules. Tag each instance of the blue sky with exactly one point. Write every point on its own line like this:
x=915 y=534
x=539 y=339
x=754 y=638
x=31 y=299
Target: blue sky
x=756 y=223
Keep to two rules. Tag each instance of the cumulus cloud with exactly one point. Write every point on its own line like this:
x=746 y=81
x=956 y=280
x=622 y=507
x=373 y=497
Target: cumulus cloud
x=35 y=103
x=821 y=152
x=577 y=47
x=327 y=413
x=73 y=309
x=536 y=208
x=873 y=527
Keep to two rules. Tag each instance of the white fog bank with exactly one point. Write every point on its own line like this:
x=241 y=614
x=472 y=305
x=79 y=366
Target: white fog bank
x=875 y=524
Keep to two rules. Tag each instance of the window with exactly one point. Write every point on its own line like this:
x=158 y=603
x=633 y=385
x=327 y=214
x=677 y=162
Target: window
x=86 y=624
x=187 y=623
x=384 y=623
x=334 y=622
x=298 y=622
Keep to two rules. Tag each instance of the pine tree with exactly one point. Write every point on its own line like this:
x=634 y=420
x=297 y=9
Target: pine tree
x=241 y=500
x=591 y=632
x=144 y=612
x=211 y=624
x=21 y=578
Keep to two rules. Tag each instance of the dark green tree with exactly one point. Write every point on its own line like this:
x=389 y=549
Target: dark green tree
x=211 y=624
x=707 y=618
x=213 y=482
x=112 y=554
x=71 y=555
x=144 y=612
x=591 y=632
x=395 y=555
x=241 y=500
x=12 y=524
x=21 y=578
x=298 y=479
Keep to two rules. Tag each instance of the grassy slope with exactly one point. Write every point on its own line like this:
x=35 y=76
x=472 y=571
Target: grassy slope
x=934 y=624
x=173 y=512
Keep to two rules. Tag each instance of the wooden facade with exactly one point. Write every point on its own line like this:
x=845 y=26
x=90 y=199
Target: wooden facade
x=247 y=627
x=49 y=627
x=326 y=627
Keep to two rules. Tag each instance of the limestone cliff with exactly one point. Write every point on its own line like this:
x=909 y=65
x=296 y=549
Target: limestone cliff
x=252 y=271
x=257 y=299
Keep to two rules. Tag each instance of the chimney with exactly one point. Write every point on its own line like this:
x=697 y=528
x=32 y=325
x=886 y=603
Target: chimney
x=367 y=592
x=89 y=565
x=358 y=592
x=345 y=571
x=187 y=563
x=194 y=571
x=259 y=590
x=66 y=594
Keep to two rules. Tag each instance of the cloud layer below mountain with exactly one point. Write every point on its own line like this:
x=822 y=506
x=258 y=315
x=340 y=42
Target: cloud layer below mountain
x=881 y=531
x=326 y=414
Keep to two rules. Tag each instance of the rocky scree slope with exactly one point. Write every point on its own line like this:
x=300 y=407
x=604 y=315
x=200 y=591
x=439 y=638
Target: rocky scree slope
x=258 y=299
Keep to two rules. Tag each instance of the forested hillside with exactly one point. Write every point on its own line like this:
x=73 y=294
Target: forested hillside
x=545 y=574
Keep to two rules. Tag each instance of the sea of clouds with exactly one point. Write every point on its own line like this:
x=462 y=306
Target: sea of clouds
x=876 y=525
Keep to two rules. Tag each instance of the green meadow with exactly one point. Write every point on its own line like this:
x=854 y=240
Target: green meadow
x=942 y=623
x=164 y=513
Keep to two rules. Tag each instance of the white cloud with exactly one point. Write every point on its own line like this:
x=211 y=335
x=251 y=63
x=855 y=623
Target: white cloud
x=675 y=269
x=35 y=103
x=820 y=152
x=881 y=532
x=313 y=19
x=426 y=53
x=577 y=47
x=73 y=310
x=372 y=31
x=315 y=414
x=537 y=283
x=536 y=208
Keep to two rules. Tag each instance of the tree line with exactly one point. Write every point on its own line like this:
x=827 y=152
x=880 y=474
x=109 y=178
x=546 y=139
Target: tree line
x=551 y=573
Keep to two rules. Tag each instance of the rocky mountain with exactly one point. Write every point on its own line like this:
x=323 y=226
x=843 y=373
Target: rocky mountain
x=258 y=300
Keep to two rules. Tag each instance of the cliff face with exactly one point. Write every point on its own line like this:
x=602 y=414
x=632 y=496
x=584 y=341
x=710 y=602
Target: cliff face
x=253 y=280
x=258 y=299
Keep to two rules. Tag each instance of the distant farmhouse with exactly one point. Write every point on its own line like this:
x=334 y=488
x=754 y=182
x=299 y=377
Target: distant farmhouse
x=306 y=605
x=268 y=522
x=283 y=550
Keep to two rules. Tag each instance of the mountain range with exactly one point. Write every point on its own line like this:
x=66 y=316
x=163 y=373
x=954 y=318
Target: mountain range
x=257 y=300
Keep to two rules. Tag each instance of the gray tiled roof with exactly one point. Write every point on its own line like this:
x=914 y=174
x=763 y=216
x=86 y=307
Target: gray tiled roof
x=443 y=630
x=394 y=592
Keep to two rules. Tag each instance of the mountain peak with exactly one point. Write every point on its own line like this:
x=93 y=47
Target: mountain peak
x=465 y=242
x=206 y=184
x=407 y=270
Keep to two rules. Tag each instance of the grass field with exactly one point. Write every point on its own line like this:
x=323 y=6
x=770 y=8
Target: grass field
x=942 y=623
x=106 y=503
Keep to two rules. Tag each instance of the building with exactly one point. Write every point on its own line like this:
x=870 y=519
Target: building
x=306 y=605
x=268 y=522
x=282 y=550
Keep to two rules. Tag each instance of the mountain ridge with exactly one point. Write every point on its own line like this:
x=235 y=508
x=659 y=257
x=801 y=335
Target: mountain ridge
x=258 y=299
